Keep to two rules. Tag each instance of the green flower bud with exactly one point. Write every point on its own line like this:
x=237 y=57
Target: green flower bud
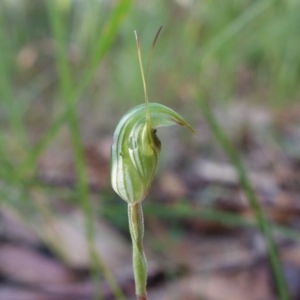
x=135 y=150
x=136 y=147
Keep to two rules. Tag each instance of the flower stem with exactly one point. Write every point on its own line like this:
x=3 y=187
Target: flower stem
x=136 y=227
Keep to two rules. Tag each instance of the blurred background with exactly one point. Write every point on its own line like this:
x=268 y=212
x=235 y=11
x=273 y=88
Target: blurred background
x=69 y=71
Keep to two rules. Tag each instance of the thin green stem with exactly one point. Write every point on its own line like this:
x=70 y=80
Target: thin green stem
x=105 y=39
x=6 y=90
x=262 y=221
x=67 y=93
x=138 y=46
x=136 y=227
x=151 y=52
x=67 y=90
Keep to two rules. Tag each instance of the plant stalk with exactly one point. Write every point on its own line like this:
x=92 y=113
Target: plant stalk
x=136 y=227
x=262 y=221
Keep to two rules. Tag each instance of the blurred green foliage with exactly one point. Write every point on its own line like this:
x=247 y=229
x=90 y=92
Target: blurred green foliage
x=75 y=63
x=225 y=50
x=228 y=51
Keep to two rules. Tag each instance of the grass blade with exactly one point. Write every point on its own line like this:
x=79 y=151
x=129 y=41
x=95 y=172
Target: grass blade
x=106 y=37
x=6 y=94
x=261 y=219
x=67 y=91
